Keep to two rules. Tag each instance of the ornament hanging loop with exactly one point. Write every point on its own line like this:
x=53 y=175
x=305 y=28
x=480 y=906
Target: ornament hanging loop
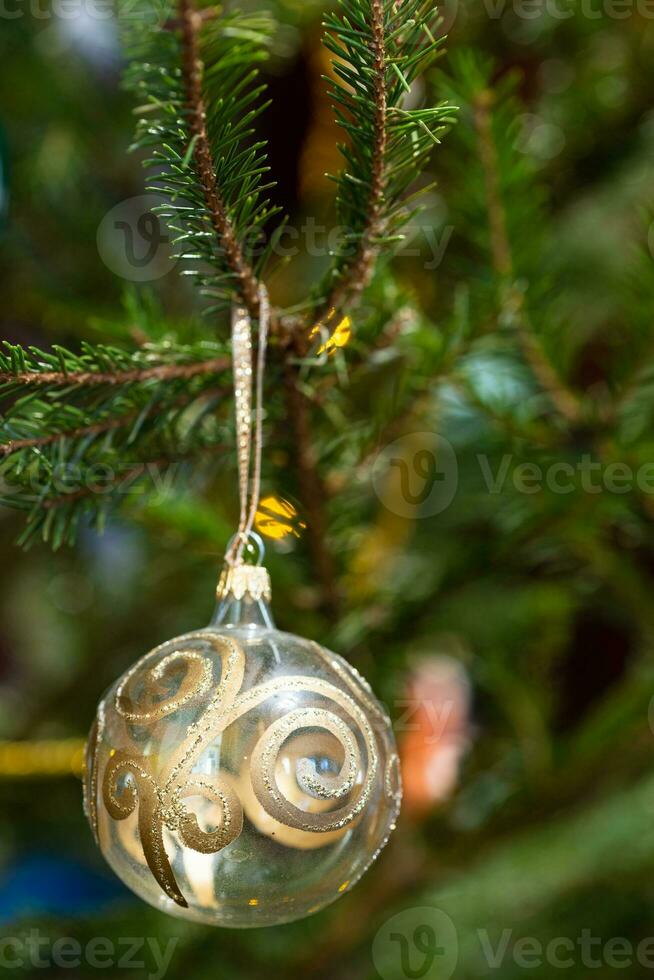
x=245 y=580
x=249 y=433
x=252 y=545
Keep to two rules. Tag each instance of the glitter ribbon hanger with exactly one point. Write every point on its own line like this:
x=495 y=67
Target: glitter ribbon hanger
x=249 y=437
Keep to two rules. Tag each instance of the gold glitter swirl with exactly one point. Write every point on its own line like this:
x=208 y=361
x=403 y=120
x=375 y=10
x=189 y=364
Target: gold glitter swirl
x=196 y=682
x=220 y=792
x=128 y=783
x=160 y=792
x=265 y=785
x=268 y=747
x=129 y=780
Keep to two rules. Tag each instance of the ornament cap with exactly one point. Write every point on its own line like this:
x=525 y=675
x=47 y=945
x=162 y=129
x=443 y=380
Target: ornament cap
x=244 y=590
x=243 y=582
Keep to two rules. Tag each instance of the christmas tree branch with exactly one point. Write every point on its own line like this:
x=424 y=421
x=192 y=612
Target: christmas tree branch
x=73 y=418
x=199 y=106
x=99 y=428
x=56 y=517
x=358 y=275
x=500 y=248
x=16 y=445
x=85 y=379
x=192 y=72
x=513 y=299
x=380 y=48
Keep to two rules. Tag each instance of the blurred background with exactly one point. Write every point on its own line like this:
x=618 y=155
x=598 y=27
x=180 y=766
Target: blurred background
x=504 y=614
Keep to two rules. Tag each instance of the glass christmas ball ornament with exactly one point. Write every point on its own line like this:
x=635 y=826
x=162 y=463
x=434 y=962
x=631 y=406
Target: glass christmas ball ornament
x=240 y=776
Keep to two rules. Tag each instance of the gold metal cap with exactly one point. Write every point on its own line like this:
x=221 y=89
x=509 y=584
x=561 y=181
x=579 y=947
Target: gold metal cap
x=240 y=581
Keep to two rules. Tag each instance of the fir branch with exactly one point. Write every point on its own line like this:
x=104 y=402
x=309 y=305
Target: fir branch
x=513 y=299
x=192 y=73
x=103 y=410
x=98 y=428
x=199 y=102
x=55 y=515
x=196 y=81
x=201 y=16
x=16 y=445
x=359 y=273
x=500 y=248
x=380 y=49
x=85 y=379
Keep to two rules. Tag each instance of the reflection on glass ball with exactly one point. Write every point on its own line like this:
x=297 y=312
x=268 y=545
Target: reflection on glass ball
x=240 y=776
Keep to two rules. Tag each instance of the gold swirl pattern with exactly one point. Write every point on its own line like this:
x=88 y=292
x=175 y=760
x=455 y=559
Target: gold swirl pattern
x=133 y=781
x=196 y=682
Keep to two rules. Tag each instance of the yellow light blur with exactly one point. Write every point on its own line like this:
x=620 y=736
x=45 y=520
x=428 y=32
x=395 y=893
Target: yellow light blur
x=277 y=518
x=20 y=760
x=340 y=337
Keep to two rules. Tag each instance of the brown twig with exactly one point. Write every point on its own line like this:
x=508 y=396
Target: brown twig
x=358 y=274
x=204 y=16
x=564 y=400
x=108 y=425
x=164 y=372
x=7 y=448
x=192 y=70
x=500 y=248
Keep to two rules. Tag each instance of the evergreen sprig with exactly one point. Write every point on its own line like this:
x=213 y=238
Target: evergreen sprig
x=500 y=172
x=380 y=48
x=194 y=75
x=503 y=207
x=76 y=427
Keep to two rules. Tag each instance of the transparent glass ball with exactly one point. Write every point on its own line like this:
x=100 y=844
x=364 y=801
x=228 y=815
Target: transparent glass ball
x=240 y=776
